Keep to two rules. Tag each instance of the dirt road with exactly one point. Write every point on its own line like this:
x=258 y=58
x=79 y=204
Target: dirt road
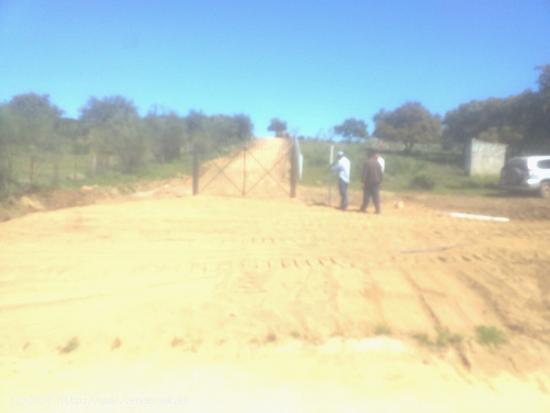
x=230 y=304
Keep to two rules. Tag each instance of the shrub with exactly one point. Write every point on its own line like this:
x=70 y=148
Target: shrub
x=490 y=336
x=422 y=181
x=446 y=338
x=423 y=338
x=382 y=330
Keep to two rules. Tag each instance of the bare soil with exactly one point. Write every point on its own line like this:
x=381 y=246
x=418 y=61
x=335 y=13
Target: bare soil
x=165 y=302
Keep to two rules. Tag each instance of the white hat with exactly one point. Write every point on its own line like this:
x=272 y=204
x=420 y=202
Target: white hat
x=339 y=153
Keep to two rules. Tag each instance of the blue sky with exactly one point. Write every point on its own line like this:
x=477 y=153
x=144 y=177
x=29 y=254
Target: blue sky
x=311 y=63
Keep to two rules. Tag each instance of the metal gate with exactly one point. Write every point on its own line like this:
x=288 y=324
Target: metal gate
x=269 y=164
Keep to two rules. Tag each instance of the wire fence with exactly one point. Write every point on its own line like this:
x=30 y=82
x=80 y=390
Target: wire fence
x=22 y=173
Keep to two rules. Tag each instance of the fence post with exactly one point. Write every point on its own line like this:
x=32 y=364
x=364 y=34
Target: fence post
x=293 y=168
x=55 y=176
x=196 y=168
x=31 y=170
x=93 y=164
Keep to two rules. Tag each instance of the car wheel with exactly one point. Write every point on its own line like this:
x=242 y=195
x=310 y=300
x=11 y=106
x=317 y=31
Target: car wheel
x=544 y=190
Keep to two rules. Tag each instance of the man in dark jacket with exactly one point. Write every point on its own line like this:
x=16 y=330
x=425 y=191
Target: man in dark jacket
x=372 y=178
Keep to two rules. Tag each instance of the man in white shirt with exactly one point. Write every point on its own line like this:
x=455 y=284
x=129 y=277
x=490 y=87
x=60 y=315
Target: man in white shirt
x=342 y=168
x=381 y=161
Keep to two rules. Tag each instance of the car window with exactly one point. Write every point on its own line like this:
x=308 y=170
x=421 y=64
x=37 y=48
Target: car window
x=544 y=164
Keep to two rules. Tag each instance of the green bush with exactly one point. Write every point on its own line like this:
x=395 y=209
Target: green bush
x=4 y=178
x=490 y=336
x=422 y=181
x=382 y=330
x=446 y=338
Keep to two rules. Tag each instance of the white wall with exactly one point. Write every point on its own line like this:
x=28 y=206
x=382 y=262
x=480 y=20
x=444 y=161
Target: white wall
x=484 y=158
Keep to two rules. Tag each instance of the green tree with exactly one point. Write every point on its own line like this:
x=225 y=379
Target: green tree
x=113 y=127
x=230 y=130
x=501 y=134
x=352 y=129
x=409 y=124
x=218 y=132
x=494 y=120
x=544 y=79
x=71 y=131
x=166 y=132
x=195 y=122
x=37 y=128
x=244 y=127
x=541 y=121
x=278 y=126
x=37 y=119
x=7 y=134
x=522 y=121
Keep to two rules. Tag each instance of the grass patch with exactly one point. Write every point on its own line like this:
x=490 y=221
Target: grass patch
x=490 y=336
x=437 y=171
x=382 y=330
x=443 y=339
x=422 y=182
x=423 y=339
x=74 y=171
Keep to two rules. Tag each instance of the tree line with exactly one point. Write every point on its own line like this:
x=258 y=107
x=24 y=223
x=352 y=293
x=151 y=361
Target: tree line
x=522 y=121
x=110 y=131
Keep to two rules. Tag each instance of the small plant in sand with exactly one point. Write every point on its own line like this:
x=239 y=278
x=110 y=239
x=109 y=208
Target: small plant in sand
x=490 y=336
x=443 y=339
x=382 y=330
x=423 y=339
x=446 y=338
x=70 y=346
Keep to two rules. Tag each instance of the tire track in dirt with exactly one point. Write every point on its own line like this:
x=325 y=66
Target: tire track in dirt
x=503 y=303
x=373 y=294
x=422 y=299
x=297 y=279
x=433 y=311
x=224 y=273
x=126 y=291
x=401 y=307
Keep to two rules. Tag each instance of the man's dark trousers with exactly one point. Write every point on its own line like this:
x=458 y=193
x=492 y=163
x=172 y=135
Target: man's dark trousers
x=343 y=188
x=371 y=191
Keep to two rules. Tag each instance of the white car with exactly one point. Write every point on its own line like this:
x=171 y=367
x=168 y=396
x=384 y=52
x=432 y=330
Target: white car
x=527 y=173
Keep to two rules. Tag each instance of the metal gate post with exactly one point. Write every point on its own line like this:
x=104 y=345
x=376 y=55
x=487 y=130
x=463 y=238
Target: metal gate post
x=293 y=170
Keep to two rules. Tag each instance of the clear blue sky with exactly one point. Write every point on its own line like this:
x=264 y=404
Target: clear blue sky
x=311 y=63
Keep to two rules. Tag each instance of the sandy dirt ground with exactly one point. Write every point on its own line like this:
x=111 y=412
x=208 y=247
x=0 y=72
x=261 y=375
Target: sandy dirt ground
x=164 y=302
